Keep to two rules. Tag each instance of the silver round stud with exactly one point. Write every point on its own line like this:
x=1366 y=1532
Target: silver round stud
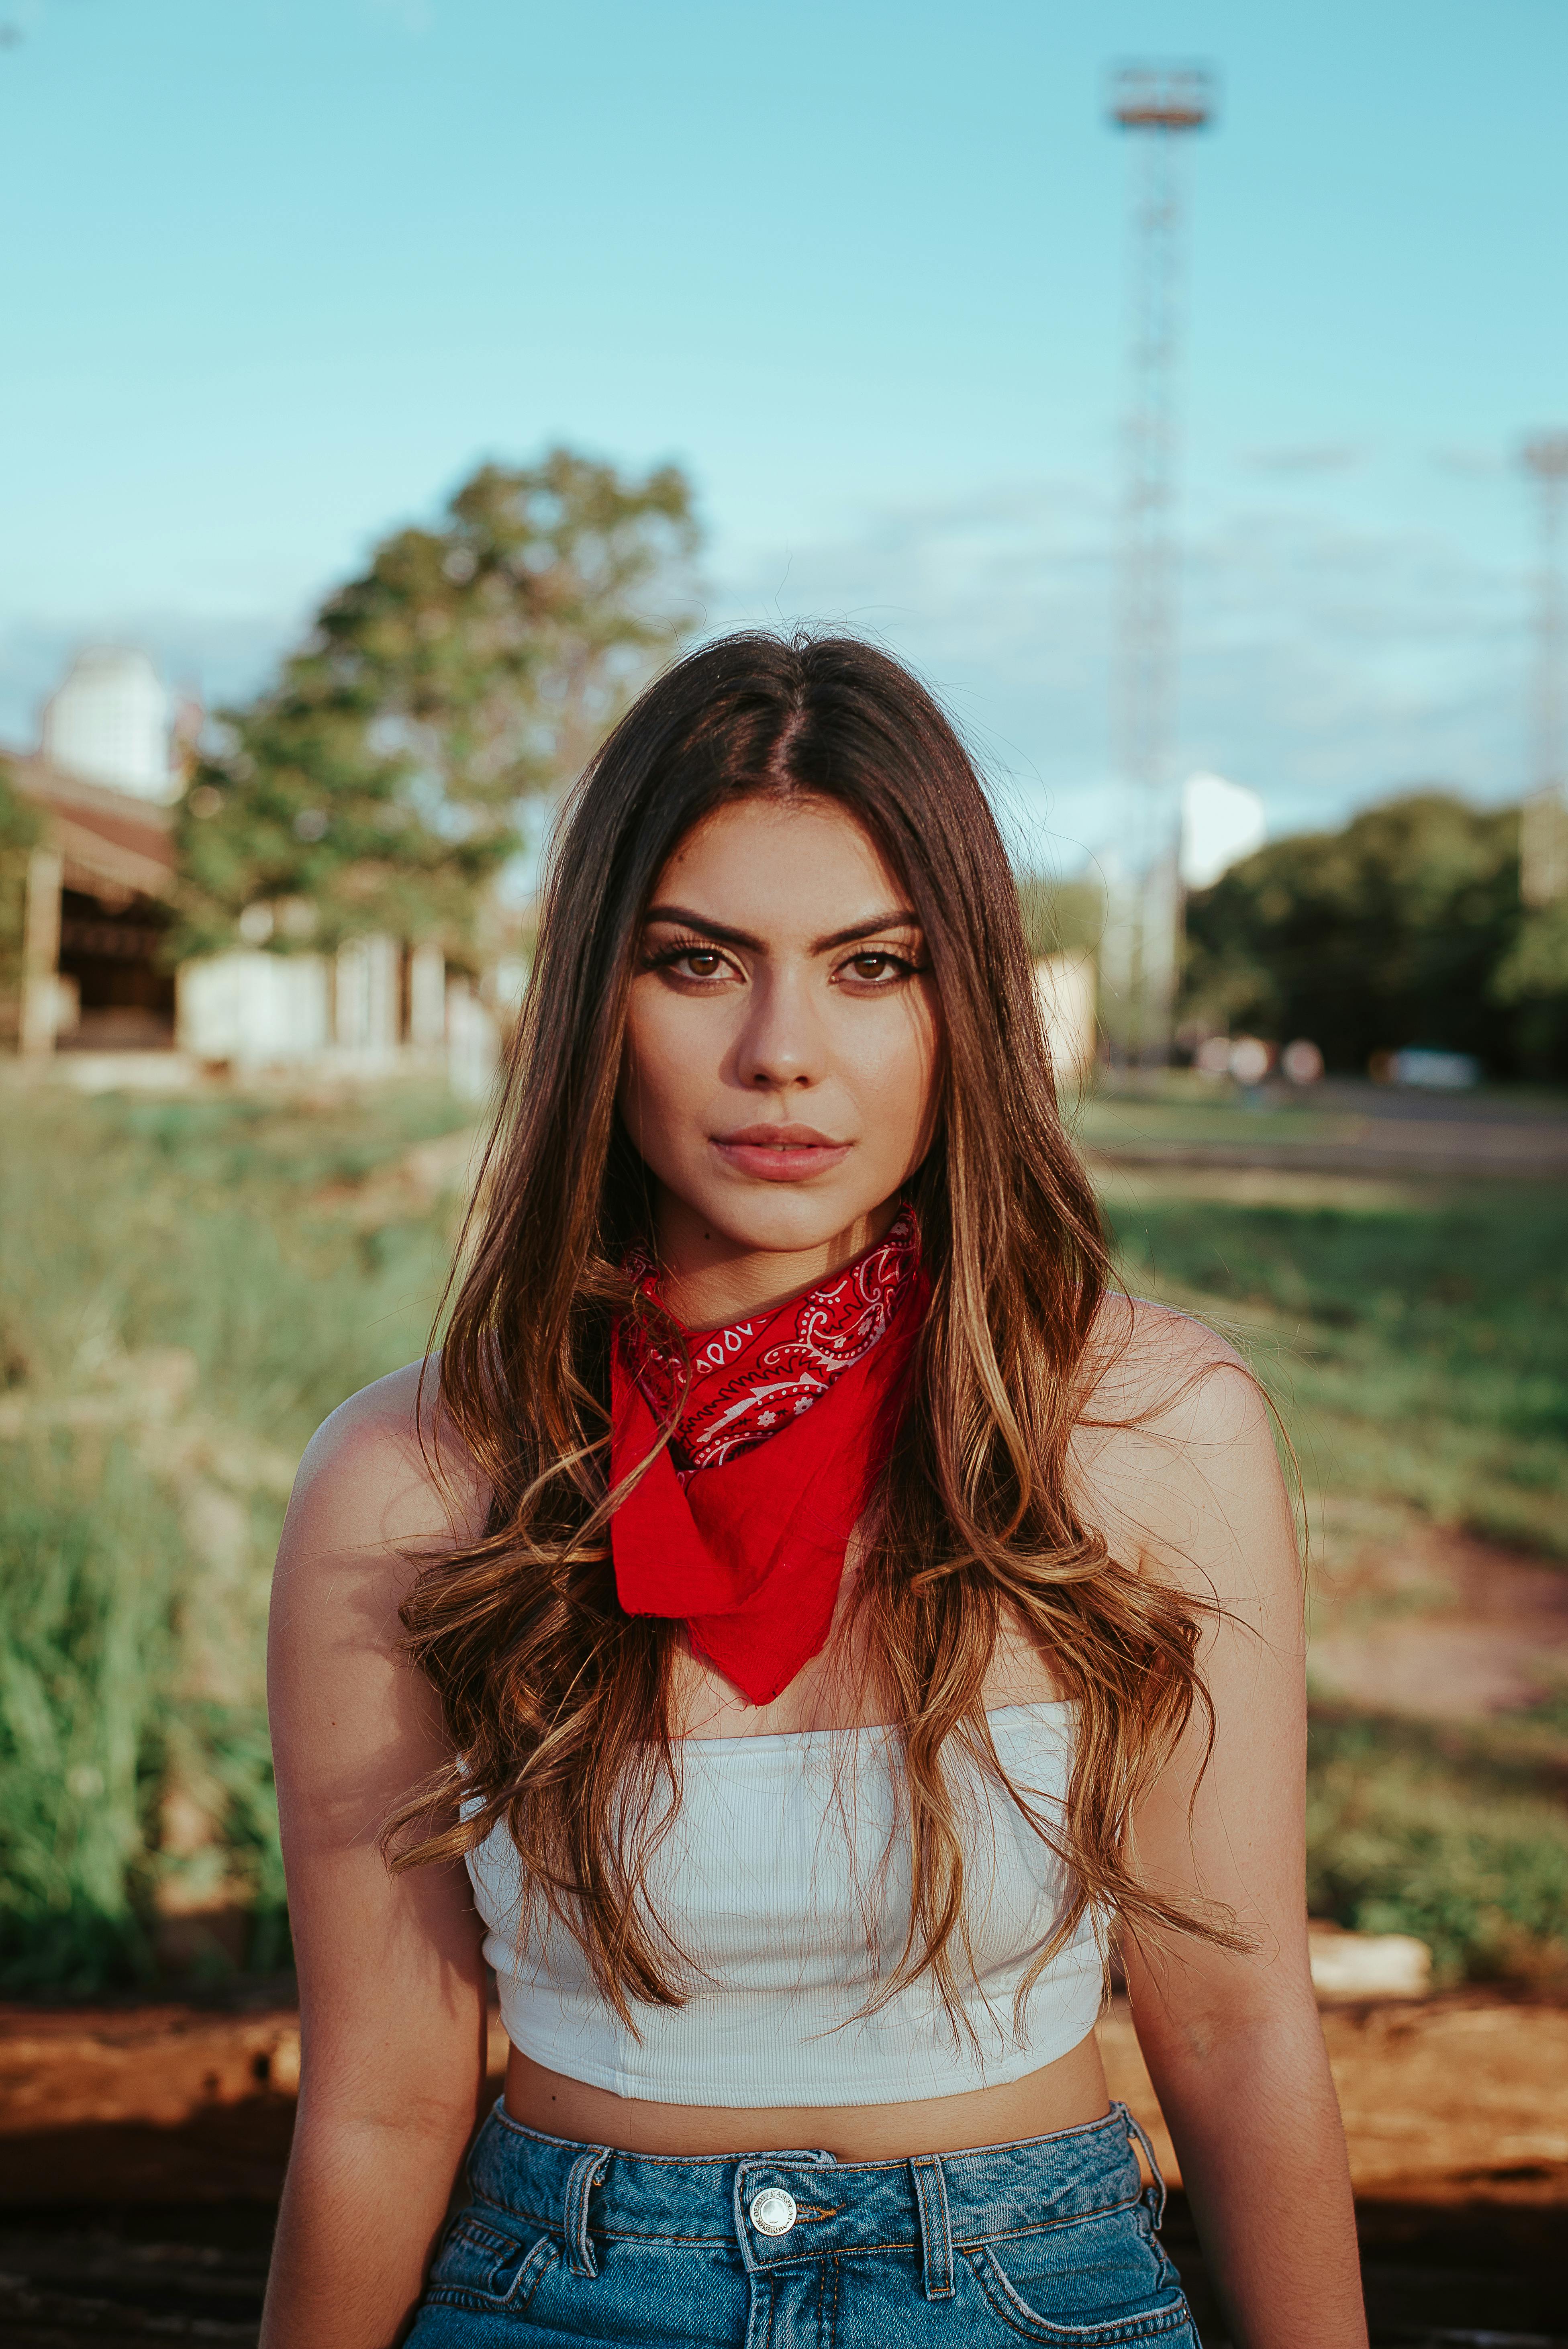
x=773 y=2211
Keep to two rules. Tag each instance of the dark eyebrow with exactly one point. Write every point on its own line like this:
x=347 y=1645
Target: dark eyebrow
x=902 y=919
x=683 y=918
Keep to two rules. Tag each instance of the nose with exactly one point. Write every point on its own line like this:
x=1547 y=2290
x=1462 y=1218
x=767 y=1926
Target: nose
x=782 y=1044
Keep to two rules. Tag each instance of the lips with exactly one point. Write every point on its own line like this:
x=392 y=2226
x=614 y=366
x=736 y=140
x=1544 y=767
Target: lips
x=778 y=1137
x=780 y=1153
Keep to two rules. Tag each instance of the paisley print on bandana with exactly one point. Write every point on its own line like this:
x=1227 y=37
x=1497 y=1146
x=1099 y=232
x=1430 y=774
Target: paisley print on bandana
x=750 y=1380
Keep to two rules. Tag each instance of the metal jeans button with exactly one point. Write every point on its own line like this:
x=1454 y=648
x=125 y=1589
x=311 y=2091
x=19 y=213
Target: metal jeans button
x=772 y=2212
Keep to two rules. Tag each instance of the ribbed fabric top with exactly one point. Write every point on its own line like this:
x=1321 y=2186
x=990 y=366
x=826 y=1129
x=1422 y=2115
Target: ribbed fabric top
x=785 y=1880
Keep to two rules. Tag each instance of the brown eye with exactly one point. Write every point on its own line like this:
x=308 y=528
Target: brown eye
x=702 y=962
x=876 y=968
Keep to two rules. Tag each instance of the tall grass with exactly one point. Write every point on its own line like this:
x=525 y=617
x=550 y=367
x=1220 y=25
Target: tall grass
x=208 y=1225
x=186 y=1291
x=89 y=1561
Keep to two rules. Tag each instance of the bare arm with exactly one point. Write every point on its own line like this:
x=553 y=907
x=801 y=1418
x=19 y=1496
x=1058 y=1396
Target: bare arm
x=392 y=1986
x=1232 y=2041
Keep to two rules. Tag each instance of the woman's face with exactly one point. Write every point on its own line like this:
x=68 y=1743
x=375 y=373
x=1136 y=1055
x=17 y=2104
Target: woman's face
x=780 y=1075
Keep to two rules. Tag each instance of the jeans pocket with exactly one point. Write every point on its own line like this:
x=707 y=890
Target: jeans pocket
x=487 y=2262
x=1098 y=2282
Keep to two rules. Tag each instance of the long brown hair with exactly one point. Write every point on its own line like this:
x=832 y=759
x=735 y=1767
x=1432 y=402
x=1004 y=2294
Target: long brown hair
x=556 y=1701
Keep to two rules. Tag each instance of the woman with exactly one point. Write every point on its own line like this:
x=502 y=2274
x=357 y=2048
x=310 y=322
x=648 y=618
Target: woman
x=805 y=1606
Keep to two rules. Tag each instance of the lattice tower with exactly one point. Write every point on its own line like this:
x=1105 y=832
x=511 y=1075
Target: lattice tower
x=1160 y=104
x=1544 y=829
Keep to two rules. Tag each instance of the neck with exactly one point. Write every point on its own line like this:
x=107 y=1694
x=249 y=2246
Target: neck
x=708 y=1280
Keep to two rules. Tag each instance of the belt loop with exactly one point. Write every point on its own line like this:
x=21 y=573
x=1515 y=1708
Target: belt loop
x=1155 y=2195
x=585 y=2173
x=936 y=2224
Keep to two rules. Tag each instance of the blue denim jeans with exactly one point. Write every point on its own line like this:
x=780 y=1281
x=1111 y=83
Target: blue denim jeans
x=1051 y=2239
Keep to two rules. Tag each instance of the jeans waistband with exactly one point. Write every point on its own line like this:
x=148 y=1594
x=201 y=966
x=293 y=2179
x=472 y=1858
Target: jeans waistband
x=787 y=2207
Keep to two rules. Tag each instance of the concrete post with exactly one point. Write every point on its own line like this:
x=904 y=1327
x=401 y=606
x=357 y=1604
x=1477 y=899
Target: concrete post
x=41 y=954
x=427 y=998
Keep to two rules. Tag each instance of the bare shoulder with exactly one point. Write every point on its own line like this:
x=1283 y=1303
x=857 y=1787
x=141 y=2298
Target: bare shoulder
x=384 y=1485
x=378 y=1494
x=386 y=1468
x=1175 y=1452
x=1150 y=1364
x=390 y=1972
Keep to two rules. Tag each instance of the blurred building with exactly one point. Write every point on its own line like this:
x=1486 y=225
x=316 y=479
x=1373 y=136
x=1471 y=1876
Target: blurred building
x=111 y=722
x=1220 y=823
x=1066 y=986
x=100 y=882
x=112 y=759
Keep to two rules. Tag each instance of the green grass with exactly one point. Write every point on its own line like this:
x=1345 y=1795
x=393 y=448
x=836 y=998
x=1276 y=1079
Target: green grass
x=183 y=1299
x=1418 y=1351
x=87 y=1581
x=1413 y=1830
x=1416 y=1341
x=134 y=1224
x=1190 y=1112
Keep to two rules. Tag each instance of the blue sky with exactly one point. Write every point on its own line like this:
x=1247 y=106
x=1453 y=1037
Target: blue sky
x=274 y=274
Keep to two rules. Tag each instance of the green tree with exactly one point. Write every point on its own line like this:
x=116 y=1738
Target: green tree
x=472 y=667
x=1533 y=977
x=1396 y=930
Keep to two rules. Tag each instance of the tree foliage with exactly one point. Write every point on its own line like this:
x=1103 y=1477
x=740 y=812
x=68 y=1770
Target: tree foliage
x=1403 y=928
x=472 y=667
x=1061 y=916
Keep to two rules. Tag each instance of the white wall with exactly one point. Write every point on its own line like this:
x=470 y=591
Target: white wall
x=1067 y=992
x=254 y=1009
x=110 y=723
x=473 y=1043
x=1220 y=823
x=367 y=1007
x=427 y=998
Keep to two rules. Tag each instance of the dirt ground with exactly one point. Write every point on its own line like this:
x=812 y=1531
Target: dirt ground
x=142 y=2151
x=1437 y=1626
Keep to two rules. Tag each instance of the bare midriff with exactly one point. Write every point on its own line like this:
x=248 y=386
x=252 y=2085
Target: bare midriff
x=1060 y=2096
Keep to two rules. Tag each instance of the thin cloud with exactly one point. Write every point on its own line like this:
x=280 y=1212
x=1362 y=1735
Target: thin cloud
x=1309 y=457
x=1326 y=665
x=413 y=15
x=1323 y=663
x=220 y=660
x=1477 y=463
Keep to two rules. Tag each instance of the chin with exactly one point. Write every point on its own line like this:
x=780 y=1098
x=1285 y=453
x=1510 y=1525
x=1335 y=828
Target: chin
x=785 y=1220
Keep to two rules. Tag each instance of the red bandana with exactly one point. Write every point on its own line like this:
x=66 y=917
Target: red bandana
x=741 y=1523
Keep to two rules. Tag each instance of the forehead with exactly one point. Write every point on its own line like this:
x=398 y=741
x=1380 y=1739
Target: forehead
x=782 y=868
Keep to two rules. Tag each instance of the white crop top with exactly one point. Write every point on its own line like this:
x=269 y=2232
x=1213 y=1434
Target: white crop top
x=785 y=1878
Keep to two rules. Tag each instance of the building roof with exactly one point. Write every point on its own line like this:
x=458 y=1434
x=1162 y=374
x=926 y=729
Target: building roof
x=110 y=841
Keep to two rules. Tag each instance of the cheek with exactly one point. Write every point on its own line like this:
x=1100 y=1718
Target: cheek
x=901 y=1075
x=663 y=1072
